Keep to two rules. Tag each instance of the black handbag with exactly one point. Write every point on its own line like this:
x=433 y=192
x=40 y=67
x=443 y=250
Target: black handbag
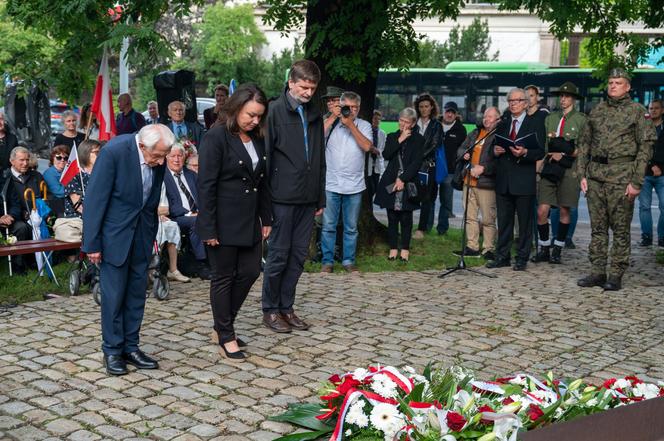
x=552 y=171
x=413 y=190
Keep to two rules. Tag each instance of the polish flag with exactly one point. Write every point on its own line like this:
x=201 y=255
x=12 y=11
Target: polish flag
x=72 y=168
x=102 y=104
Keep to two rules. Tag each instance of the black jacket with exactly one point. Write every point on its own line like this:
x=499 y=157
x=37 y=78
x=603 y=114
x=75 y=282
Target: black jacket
x=487 y=179
x=517 y=176
x=657 y=155
x=452 y=139
x=412 y=154
x=5 y=149
x=34 y=182
x=433 y=138
x=233 y=197
x=13 y=202
x=293 y=179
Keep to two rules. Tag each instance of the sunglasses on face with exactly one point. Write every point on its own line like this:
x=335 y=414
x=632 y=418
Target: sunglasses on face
x=61 y=158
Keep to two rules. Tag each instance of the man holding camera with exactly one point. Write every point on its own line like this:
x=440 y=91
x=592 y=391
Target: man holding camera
x=348 y=140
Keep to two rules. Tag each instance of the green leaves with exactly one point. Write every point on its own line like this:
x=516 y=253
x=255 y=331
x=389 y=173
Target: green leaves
x=304 y=415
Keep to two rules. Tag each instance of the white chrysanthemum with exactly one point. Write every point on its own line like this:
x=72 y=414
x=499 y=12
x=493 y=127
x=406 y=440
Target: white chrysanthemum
x=382 y=385
x=646 y=391
x=621 y=384
x=387 y=418
x=356 y=416
x=360 y=374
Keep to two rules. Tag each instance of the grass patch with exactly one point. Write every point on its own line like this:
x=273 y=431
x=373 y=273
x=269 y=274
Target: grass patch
x=659 y=257
x=434 y=252
x=20 y=289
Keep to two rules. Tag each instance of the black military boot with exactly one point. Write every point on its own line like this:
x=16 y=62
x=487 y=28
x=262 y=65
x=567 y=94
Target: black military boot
x=592 y=280
x=646 y=240
x=542 y=255
x=613 y=284
x=555 y=254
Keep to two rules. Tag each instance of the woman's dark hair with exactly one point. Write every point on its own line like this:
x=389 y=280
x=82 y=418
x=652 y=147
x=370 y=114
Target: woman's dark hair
x=231 y=109
x=85 y=149
x=434 y=105
x=58 y=150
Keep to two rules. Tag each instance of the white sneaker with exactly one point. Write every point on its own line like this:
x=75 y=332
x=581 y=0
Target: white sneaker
x=177 y=276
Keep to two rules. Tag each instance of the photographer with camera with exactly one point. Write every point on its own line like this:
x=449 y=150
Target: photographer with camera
x=348 y=140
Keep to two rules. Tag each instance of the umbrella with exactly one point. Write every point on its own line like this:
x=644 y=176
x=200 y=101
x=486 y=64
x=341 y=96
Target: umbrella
x=35 y=221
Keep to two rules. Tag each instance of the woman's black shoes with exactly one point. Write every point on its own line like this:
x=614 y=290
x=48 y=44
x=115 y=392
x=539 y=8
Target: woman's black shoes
x=241 y=343
x=237 y=355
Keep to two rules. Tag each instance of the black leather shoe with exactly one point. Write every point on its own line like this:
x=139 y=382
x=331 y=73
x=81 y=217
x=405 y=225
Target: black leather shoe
x=498 y=263
x=237 y=355
x=556 y=251
x=275 y=322
x=542 y=255
x=204 y=272
x=592 y=280
x=613 y=284
x=519 y=266
x=115 y=365
x=140 y=360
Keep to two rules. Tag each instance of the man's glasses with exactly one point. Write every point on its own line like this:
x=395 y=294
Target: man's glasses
x=516 y=101
x=61 y=158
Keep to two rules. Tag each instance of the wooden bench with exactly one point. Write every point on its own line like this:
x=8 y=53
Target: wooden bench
x=35 y=246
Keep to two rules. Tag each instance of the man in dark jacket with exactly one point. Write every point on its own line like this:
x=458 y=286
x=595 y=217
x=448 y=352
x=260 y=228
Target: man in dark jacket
x=454 y=135
x=517 y=147
x=479 y=185
x=11 y=222
x=654 y=180
x=295 y=149
x=24 y=178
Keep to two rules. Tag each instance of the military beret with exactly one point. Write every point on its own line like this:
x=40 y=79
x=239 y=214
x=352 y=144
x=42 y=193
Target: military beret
x=619 y=73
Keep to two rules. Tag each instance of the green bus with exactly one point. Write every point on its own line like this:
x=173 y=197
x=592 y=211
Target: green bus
x=476 y=85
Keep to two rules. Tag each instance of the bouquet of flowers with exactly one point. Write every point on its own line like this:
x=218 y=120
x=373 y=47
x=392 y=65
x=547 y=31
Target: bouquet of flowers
x=384 y=404
x=10 y=240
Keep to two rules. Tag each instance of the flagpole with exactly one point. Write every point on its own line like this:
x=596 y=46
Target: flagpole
x=80 y=170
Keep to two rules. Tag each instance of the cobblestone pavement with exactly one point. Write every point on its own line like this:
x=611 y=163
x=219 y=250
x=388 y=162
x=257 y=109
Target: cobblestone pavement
x=53 y=385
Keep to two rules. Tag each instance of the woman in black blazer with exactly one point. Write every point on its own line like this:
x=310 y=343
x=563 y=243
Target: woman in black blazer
x=234 y=210
x=409 y=146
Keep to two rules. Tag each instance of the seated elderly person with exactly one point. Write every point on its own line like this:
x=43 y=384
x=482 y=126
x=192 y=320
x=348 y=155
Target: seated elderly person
x=23 y=177
x=169 y=233
x=183 y=130
x=70 y=227
x=182 y=194
x=52 y=175
x=10 y=221
x=192 y=163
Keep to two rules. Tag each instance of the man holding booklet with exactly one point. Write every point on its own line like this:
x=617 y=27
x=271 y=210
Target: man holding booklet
x=517 y=147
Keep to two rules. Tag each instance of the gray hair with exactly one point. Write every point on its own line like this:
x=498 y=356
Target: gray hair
x=152 y=102
x=151 y=134
x=177 y=146
x=68 y=114
x=409 y=113
x=494 y=108
x=516 y=90
x=350 y=96
x=85 y=149
x=16 y=150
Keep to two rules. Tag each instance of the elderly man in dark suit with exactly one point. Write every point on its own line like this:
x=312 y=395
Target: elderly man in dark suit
x=182 y=193
x=183 y=130
x=23 y=177
x=516 y=179
x=119 y=227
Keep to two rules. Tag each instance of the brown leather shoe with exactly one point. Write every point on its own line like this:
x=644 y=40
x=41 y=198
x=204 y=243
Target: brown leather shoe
x=351 y=268
x=276 y=322
x=294 y=321
x=326 y=269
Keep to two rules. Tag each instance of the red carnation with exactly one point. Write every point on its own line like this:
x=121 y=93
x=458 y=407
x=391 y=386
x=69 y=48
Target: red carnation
x=348 y=384
x=534 y=412
x=609 y=383
x=485 y=408
x=507 y=401
x=455 y=421
x=335 y=379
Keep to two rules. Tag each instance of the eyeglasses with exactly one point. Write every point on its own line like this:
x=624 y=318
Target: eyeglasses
x=516 y=101
x=61 y=158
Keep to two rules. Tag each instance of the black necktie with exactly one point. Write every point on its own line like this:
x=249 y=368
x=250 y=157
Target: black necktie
x=190 y=198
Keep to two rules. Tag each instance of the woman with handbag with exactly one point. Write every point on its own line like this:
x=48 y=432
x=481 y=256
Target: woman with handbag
x=398 y=191
x=235 y=213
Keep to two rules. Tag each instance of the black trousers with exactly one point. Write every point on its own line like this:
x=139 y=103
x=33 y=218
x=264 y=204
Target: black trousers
x=394 y=220
x=287 y=249
x=507 y=205
x=234 y=271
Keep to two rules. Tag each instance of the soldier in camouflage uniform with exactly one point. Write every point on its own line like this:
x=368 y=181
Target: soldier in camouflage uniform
x=614 y=149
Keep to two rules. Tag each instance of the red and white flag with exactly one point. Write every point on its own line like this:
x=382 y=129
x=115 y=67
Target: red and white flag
x=102 y=104
x=72 y=167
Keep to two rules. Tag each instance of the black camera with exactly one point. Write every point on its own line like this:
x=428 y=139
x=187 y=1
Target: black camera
x=345 y=111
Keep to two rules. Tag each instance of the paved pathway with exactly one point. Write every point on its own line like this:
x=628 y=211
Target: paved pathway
x=53 y=385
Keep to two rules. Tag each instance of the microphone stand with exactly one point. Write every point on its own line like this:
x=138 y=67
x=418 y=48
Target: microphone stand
x=461 y=264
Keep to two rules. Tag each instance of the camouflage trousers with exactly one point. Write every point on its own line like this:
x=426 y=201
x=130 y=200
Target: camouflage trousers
x=609 y=209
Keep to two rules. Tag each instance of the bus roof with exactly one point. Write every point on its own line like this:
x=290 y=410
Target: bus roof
x=501 y=66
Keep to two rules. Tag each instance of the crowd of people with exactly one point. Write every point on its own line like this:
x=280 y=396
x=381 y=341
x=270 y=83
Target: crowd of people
x=261 y=171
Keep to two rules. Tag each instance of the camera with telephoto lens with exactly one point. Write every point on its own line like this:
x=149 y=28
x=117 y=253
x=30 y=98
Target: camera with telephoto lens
x=345 y=111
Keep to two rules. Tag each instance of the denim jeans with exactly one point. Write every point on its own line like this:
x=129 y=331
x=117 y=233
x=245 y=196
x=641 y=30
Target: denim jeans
x=446 y=195
x=349 y=204
x=651 y=183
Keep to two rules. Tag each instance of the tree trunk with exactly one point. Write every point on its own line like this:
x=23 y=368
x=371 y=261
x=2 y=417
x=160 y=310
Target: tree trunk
x=371 y=231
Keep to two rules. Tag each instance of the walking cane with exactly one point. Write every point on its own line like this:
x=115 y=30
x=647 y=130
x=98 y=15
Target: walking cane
x=5 y=187
x=44 y=189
